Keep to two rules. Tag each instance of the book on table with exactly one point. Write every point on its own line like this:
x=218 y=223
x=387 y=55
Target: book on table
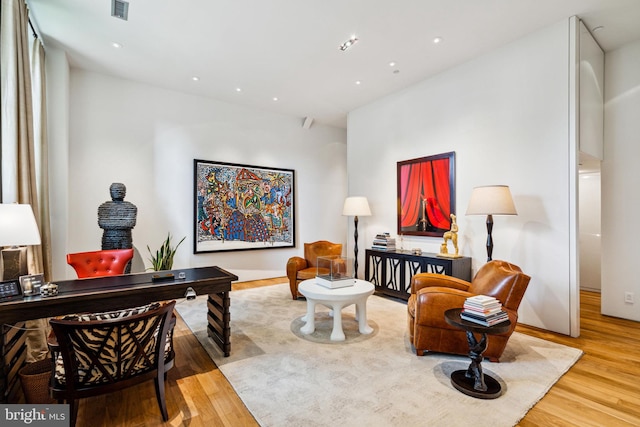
x=491 y=320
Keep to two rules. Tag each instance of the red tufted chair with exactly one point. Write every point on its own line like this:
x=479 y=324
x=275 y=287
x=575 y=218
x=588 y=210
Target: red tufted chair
x=110 y=262
x=433 y=294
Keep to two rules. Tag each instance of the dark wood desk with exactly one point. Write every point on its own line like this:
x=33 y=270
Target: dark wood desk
x=129 y=290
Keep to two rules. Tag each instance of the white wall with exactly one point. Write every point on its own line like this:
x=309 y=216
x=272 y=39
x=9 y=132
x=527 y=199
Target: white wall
x=506 y=115
x=620 y=182
x=147 y=138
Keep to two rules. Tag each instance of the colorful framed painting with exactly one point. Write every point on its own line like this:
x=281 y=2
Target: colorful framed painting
x=426 y=195
x=242 y=207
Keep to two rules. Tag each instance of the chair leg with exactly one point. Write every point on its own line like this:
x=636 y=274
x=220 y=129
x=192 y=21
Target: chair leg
x=159 y=383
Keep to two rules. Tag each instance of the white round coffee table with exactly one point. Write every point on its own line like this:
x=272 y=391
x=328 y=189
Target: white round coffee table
x=336 y=300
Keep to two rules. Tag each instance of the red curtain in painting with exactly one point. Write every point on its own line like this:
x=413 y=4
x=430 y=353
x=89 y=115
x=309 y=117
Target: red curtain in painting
x=429 y=182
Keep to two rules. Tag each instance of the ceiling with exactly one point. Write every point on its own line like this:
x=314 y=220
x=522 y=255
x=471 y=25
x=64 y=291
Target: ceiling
x=249 y=52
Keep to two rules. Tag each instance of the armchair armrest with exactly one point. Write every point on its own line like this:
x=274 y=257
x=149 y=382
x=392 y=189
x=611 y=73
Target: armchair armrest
x=295 y=264
x=424 y=280
x=432 y=302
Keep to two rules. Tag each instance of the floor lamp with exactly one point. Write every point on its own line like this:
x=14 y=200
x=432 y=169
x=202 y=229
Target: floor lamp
x=356 y=206
x=18 y=227
x=491 y=200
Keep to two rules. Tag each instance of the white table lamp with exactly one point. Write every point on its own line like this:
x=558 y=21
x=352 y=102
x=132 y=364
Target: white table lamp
x=18 y=227
x=491 y=200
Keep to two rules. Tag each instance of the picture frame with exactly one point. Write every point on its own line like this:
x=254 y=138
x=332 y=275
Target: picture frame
x=242 y=207
x=426 y=195
x=31 y=284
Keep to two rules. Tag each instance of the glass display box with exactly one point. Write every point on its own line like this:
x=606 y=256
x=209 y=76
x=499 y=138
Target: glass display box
x=334 y=271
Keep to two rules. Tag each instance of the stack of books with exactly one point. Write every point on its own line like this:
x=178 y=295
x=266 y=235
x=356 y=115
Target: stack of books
x=483 y=310
x=384 y=242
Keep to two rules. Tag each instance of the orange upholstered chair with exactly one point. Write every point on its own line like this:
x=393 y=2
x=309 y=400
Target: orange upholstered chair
x=433 y=294
x=299 y=269
x=110 y=262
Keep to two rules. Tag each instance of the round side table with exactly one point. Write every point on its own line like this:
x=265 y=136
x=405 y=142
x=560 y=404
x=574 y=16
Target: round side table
x=473 y=381
x=336 y=300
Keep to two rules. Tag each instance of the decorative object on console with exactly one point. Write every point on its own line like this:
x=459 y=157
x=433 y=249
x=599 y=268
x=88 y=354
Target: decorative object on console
x=334 y=272
x=426 y=195
x=163 y=258
x=356 y=206
x=49 y=290
x=453 y=236
x=117 y=218
x=239 y=207
x=18 y=227
x=384 y=242
x=491 y=200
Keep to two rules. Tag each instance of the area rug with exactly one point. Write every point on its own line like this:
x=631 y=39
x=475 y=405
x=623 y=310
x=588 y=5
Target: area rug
x=285 y=379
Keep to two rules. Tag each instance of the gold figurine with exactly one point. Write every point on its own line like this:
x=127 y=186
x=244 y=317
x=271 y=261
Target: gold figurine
x=453 y=236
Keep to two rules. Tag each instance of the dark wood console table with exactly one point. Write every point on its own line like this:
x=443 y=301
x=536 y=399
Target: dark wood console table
x=391 y=271
x=116 y=292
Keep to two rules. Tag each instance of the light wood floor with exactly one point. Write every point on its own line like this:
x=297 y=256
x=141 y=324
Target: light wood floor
x=601 y=389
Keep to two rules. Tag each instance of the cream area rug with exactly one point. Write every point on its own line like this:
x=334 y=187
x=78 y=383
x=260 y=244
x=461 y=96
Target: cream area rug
x=289 y=379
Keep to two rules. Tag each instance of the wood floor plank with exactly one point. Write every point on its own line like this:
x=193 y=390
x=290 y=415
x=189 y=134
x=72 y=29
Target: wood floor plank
x=602 y=389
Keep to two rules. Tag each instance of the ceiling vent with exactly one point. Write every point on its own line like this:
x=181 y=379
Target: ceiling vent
x=120 y=9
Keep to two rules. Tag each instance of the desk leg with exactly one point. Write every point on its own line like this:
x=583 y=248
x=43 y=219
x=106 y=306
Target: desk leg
x=218 y=316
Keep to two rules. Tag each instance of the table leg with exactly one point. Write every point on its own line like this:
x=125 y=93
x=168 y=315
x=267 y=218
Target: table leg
x=476 y=348
x=361 y=317
x=309 y=318
x=337 y=334
x=473 y=381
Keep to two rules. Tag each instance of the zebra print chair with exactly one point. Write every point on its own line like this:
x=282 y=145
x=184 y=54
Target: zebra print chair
x=104 y=352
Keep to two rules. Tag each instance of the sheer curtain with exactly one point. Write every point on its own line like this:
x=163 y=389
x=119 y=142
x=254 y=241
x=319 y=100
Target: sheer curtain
x=23 y=166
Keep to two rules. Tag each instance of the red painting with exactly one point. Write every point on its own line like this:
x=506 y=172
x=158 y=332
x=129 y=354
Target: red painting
x=426 y=195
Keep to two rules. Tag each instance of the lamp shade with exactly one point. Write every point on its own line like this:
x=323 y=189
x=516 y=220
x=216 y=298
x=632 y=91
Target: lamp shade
x=18 y=225
x=491 y=200
x=356 y=206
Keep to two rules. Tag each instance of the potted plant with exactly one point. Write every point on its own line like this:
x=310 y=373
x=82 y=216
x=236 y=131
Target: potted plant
x=163 y=258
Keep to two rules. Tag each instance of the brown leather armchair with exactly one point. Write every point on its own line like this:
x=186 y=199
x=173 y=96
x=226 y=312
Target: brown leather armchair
x=433 y=294
x=299 y=269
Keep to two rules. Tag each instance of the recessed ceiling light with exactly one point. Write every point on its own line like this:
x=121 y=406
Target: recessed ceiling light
x=238 y=89
x=437 y=40
x=392 y=64
x=195 y=78
x=275 y=98
x=358 y=82
x=346 y=45
x=116 y=45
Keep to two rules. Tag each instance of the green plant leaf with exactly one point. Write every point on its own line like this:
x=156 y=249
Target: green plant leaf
x=163 y=259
